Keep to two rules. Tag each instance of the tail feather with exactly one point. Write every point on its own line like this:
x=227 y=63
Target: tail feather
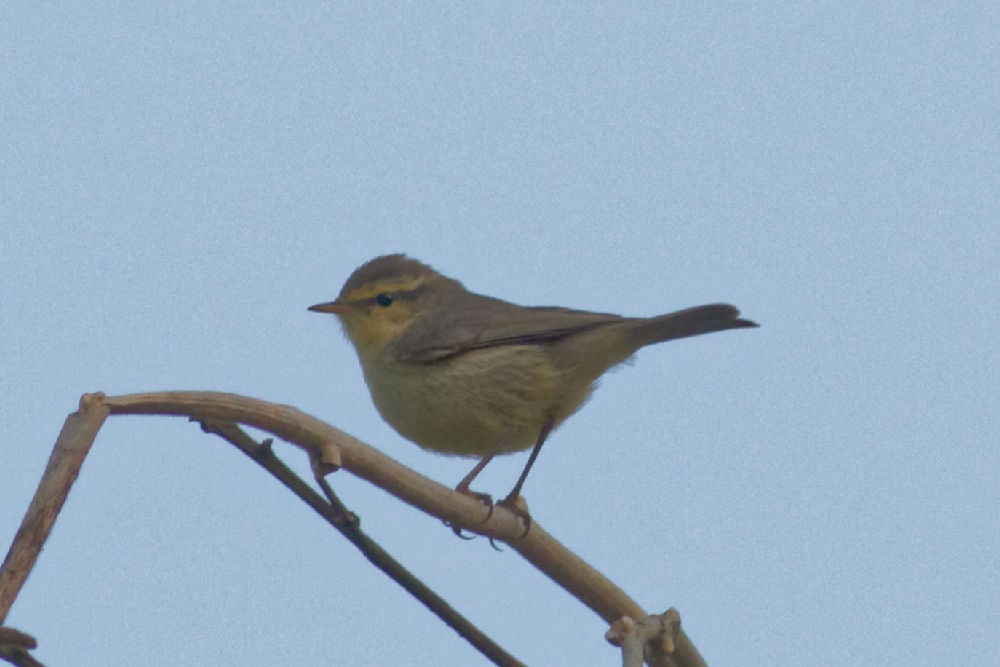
x=689 y=322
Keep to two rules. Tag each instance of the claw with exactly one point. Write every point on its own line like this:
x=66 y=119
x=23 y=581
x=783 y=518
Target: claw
x=458 y=531
x=517 y=505
x=484 y=498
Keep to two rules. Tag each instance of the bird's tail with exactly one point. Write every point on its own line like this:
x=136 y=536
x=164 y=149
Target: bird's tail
x=688 y=322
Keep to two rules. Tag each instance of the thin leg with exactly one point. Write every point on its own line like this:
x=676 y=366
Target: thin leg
x=516 y=491
x=463 y=486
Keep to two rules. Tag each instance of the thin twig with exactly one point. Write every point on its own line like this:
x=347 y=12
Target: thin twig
x=347 y=524
x=18 y=656
x=14 y=646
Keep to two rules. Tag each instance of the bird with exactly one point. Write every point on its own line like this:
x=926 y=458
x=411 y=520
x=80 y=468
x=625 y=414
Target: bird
x=471 y=375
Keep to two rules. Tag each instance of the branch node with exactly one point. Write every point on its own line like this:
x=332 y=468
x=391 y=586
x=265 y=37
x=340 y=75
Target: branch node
x=329 y=456
x=89 y=401
x=649 y=635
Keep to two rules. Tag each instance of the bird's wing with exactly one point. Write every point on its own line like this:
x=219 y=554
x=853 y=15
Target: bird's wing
x=469 y=324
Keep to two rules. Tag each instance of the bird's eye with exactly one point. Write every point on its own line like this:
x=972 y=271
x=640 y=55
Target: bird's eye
x=384 y=300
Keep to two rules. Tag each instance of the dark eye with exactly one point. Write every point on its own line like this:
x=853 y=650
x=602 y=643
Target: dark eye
x=384 y=300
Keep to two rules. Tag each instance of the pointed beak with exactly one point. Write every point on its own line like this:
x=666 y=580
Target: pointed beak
x=332 y=307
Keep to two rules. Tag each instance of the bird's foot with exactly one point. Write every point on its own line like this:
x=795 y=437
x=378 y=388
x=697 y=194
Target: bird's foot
x=484 y=498
x=517 y=505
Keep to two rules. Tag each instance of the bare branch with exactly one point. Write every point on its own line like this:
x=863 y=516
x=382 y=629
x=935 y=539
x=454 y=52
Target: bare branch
x=12 y=637
x=14 y=646
x=346 y=522
x=329 y=449
x=71 y=448
x=335 y=447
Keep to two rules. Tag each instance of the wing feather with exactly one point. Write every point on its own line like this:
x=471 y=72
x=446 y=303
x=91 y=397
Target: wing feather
x=472 y=321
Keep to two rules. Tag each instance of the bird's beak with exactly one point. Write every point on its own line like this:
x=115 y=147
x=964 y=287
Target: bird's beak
x=332 y=307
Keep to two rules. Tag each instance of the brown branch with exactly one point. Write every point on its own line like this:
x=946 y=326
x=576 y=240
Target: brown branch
x=12 y=637
x=18 y=656
x=14 y=646
x=346 y=522
x=67 y=456
x=334 y=449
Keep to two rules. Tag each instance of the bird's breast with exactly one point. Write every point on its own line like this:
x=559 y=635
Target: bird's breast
x=464 y=404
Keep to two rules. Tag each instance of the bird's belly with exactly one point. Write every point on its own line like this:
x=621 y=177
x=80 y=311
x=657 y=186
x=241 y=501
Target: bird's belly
x=465 y=404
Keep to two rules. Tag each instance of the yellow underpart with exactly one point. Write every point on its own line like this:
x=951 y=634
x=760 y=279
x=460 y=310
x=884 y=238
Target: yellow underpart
x=464 y=405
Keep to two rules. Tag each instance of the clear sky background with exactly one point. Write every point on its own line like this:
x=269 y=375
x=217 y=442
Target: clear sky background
x=179 y=182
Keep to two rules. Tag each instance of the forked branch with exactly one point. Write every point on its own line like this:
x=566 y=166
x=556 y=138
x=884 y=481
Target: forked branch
x=331 y=449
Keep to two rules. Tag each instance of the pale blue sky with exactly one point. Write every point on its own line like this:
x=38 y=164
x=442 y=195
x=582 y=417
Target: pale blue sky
x=178 y=183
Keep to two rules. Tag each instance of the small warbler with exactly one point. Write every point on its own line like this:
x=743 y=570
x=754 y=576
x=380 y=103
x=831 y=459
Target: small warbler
x=467 y=374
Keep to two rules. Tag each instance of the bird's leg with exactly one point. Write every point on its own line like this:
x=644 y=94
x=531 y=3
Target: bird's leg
x=510 y=502
x=463 y=486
